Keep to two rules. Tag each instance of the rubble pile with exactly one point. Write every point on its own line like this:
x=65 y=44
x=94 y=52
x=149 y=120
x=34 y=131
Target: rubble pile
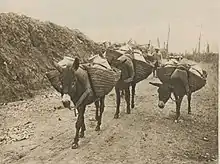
x=27 y=48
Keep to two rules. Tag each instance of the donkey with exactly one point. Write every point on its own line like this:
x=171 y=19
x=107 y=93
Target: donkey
x=76 y=82
x=58 y=88
x=123 y=84
x=178 y=89
x=178 y=83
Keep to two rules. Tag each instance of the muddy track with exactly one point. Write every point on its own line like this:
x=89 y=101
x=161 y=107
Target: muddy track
x=40 y=130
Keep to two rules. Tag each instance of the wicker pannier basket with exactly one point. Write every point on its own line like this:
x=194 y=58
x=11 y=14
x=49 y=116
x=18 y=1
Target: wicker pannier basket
x=142 y=70
x=102 y=80
x=196 y=82
x=55 y=79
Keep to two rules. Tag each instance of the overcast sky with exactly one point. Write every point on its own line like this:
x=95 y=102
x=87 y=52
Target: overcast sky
x=120 y=20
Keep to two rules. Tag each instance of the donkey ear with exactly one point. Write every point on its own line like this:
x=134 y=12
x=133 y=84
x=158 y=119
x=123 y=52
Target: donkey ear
x=155 y=84
x=75 y=65
x=57 y=66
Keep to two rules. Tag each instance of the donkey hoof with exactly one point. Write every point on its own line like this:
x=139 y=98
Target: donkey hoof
x=116 y=116
x=189 y=112
x=97 y=128
x=128 y=112
x=75 y=145
x=132 y=106
x=81 y=135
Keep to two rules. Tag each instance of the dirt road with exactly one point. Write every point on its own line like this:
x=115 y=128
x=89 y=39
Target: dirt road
x=40 y=130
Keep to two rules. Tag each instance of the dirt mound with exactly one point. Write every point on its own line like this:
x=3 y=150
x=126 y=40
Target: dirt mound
x=27 y=47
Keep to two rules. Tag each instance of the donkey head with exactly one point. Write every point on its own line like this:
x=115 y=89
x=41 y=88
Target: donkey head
x=164 y=91
x=68 y=80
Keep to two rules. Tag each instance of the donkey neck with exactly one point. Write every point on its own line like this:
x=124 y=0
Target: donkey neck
x=179 y=88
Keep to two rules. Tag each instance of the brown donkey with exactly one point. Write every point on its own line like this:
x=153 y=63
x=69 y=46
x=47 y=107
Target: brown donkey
x=75 y=87
x=125 y=64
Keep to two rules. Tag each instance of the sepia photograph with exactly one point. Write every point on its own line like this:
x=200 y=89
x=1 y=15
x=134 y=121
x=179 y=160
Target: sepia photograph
x=109 y=82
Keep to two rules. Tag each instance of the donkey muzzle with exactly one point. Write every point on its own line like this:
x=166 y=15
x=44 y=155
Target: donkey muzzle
x=161 y=104
x=66 y=100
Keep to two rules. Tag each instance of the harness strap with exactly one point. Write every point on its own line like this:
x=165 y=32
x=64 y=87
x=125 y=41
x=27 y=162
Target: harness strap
x=82 y=97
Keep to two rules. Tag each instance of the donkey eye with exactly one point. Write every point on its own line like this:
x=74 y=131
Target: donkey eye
x=73 y=81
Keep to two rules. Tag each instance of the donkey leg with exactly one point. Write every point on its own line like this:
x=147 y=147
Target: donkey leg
x=83 y=128
x=189 y=103
x=132 y=95
x=78 y=125
x=156 y=66
x=102 y=106
x=156 y=73
x=127 y=99
x=97 y=110
x=118 y=101
x=178 y=105
x=122 y=93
